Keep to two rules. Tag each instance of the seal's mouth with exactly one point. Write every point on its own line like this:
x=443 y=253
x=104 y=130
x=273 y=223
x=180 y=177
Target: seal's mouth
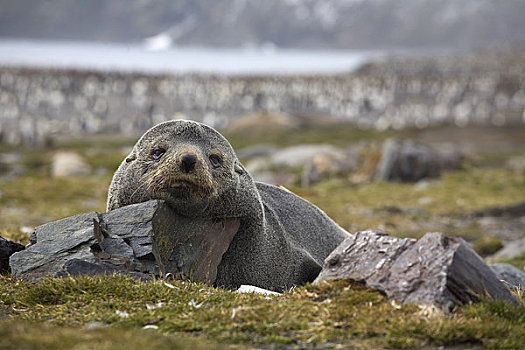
x=183 y=189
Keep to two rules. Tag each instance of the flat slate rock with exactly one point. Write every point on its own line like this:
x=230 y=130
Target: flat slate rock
x=53 y=244
x=143 y=240
x=436 y=269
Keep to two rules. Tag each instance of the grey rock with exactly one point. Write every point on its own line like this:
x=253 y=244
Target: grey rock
x=55 y=243
x=7 y=248
x=510 y=250
x=516 y=163
x=328 y=164
x=256 y=151
x=508 y=229
x=262 y=170
x=259 y=165
x=449 y=157
x=407 y=161
x=439 y=270
x=77 y=267
x=196 y=247
x=142 y=240
x=69 y=164
x=511 y=276
x=300 y=155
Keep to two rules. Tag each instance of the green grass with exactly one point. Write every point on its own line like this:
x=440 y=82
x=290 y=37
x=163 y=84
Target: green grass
x=339 y=134
x=358 y=207
x=36 y=199
x=17 y=335
x=333 y=312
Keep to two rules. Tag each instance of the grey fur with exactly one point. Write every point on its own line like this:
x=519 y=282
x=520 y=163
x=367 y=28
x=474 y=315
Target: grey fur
x=283 y=239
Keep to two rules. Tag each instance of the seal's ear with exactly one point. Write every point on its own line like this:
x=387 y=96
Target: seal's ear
x=239 y=169
x=131 y=158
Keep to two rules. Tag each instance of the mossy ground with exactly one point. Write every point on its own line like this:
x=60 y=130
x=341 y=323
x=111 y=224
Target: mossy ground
x=114 y=310
x=82 y=312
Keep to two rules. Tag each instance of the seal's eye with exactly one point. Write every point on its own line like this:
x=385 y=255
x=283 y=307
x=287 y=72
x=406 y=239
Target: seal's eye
x=215 y=160
x=157 y=153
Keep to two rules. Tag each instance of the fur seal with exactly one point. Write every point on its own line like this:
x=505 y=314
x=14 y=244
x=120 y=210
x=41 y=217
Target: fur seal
x=282 y=240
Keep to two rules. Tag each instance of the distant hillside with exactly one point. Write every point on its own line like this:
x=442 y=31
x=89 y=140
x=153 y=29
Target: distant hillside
x=354 y=24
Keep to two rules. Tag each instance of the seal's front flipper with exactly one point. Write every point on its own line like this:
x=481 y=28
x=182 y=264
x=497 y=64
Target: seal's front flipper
x=307 y=270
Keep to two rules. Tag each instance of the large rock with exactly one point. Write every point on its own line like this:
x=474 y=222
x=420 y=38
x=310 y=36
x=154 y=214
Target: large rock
x=144 y=240
x=438 y=270
x=53 y=244
x=329 y=164
x=300 y=155
x=410 y=161
x=7 y=248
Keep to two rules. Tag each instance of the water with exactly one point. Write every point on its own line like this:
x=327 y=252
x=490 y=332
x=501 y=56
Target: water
x=137 y=57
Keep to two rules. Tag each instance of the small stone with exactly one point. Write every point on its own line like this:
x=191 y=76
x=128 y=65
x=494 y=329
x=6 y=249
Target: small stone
x=510 y=250
x=511 y=276
x=516 y=163
x=244 y=288
x=66 y=163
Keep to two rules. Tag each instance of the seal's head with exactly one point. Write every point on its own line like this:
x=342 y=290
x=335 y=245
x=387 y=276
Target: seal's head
x=189 y=165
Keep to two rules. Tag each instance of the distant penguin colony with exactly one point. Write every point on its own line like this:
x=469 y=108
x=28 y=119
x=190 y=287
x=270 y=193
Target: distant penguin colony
x=282 y=240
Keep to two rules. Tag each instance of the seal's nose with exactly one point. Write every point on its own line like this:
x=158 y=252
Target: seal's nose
x=188 y=161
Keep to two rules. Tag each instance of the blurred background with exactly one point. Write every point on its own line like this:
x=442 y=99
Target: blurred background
x=405 y=115
x=122 y=66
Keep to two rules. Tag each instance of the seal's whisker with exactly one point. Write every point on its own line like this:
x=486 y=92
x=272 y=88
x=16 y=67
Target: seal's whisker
x=136 y=190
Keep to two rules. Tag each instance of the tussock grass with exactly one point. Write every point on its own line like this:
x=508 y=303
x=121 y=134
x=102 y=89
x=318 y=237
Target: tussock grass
x=336 y=313
x=17 y=335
